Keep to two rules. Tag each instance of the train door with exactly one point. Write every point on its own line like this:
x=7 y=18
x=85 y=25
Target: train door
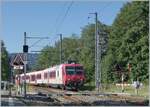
x=63 y=74
x=58 y=79
x=48 y=77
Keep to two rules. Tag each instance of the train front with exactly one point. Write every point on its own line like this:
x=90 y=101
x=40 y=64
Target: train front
x=74 y=76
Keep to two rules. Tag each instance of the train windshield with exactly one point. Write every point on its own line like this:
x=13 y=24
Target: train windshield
x=71 y=70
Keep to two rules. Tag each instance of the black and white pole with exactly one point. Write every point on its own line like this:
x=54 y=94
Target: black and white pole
x=25 y=50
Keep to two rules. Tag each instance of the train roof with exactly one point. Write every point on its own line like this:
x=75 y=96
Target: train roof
x=72 y=64
x=50 y=68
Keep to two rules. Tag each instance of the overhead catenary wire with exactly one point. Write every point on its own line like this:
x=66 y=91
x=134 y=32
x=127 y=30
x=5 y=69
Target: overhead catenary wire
x=57 y=25
x=35 y=43
x=65 y=15
x=103 y=8
x=58 y=17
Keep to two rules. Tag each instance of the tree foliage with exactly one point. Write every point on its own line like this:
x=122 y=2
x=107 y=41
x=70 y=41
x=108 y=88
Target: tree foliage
x=128 y=41
x=50 y=55
x=88 y=47
x=5 y=62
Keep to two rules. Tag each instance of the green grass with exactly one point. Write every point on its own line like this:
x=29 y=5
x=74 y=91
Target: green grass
x=87 y=88
x=143 y=91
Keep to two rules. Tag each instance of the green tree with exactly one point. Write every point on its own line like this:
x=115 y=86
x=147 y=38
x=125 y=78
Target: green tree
x=71 y=48
x=5 y=62
x=128 y=41
x=87 y=57
x=50 y=55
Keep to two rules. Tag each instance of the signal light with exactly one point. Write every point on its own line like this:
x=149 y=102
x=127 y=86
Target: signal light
x=25 y=48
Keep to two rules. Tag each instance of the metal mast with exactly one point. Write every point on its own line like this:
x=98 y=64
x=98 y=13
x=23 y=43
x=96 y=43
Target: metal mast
x=25 y=64
x=60 y=48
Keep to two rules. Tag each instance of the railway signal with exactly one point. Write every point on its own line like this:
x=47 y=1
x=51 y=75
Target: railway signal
x=25 y=48
x=25 y=51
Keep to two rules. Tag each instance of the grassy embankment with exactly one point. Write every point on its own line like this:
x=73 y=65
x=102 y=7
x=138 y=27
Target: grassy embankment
x=112 y=88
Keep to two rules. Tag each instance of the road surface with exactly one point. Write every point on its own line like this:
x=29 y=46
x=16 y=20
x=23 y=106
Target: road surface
x=9 y=101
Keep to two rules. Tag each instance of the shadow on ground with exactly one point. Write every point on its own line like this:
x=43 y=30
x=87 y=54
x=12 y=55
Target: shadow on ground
x=87 y=87
x=36 y=101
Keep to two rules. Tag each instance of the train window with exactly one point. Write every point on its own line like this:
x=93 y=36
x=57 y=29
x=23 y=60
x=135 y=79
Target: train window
x=45 y=75
x=79 y=68
x=79 y=72
x=38 y=76
x=52 y=74
x=32 y=77
x=27 y=77
x=70 y=70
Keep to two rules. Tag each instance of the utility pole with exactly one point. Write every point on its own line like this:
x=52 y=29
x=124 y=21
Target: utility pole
x=25 y=63
x=25 y=52
x=60 y=48
x=97 y=54
x=10 y=79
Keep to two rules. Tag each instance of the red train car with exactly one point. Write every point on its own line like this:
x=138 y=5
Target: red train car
x=64 y=75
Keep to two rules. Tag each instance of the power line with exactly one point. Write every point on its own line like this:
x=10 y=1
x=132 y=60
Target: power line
x=55 y=25
x=59 y=15
x=103 y=8
x=58 y=26
x=35 y=43
x=67 y=11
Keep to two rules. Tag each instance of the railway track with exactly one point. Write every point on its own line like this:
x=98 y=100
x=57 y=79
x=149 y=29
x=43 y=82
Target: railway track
x=53 y=90
x=66 y=97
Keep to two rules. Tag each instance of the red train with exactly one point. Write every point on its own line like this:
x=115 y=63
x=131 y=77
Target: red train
x=64 y=75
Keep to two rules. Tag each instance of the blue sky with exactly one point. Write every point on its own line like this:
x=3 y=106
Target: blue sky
x=43 y=18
